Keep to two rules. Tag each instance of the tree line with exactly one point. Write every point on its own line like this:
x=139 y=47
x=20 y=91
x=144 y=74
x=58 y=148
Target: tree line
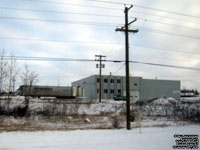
x=11 y=74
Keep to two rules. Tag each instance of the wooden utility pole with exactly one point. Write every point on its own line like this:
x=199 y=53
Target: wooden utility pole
x=100 y=65
x=126 y=29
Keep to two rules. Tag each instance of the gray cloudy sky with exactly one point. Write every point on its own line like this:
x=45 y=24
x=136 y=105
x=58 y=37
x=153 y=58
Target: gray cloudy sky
x=24 y=31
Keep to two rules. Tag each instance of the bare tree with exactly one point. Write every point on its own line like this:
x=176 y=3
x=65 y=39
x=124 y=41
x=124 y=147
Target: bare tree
x=13 y=72
x=3 y=71
x=28 y=78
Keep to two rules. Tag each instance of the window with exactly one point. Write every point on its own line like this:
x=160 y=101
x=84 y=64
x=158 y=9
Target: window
x=42 y=89
x=98 y=80
x=135 y=84
x=118 y=81
x=119 y=91
x=105 y=80
x=97 y=90
x=112 y=80
x=105 y=90
x=112 y=91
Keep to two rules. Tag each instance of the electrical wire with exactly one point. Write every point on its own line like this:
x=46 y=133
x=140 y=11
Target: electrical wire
x=168 y=33
x=93 y=60
x=164 y=23
x=108 y=43
x=163 y=65
x=58 y=41
x=165 y=17
x=60 y=12
x=104 y=43
x=99 y=15
x=110 y=2
x=45 y=58
x=166 y=49
x=80 y=5
x=119 y=69
x=60 y=21
x=167 y=11
x=111 y=8
x=145 y=7
x=98 y=24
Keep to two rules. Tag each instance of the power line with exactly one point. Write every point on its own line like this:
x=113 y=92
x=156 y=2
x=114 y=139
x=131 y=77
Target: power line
x=119 y=68
x=167 y=11
x=59 y=21
x=167 y=50
x=108 y=43
x=145 y=7
x=149 y=20
x=46 y=58
x=163 y=65
x=93 y=60
x=104 y=43
x=177 y=13
x=111 y=8
x=168 y=33
x=59 y=41
x=80 y=5
x=98 y=24
x=166 y=17
x=60 y=12
x=110 y=2
x=88 y=14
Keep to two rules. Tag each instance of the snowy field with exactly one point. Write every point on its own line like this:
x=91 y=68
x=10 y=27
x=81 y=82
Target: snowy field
x=149 y=139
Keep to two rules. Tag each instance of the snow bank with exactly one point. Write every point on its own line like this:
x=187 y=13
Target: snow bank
x=168 y=107
x=165 y=101
x=191 y=99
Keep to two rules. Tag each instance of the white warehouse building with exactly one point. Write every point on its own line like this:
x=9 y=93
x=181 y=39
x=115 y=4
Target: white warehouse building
x=140 y=89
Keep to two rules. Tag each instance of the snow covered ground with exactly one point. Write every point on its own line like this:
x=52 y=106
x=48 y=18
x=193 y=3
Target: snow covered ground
x=160 y=120
x=149 y=139
x=57 y=114
x=191 y=99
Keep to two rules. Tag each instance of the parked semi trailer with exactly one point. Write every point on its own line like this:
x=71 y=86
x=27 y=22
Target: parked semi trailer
x=46 y=91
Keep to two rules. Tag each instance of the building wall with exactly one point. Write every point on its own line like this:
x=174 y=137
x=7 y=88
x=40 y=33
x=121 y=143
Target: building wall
x=140 y=89
x=135 y=88
x=151 y=89
x=110 y=88
x=88 y=84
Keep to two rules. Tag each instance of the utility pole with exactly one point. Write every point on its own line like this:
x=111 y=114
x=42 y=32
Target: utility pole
x=100 y=58
x=126 y=29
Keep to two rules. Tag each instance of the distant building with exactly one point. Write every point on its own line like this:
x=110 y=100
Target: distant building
x=140 y=89
x=189 y=93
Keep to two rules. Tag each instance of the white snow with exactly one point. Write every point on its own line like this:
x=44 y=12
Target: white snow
x=159 y=107
x=149 y=139
x=88 y=120
x=191 y=99
x=165 y=101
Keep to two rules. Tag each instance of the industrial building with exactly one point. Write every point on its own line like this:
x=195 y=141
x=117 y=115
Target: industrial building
x=140 y=89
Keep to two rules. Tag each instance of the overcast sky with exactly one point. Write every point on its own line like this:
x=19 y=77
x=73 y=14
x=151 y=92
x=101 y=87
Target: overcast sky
x=78 y=35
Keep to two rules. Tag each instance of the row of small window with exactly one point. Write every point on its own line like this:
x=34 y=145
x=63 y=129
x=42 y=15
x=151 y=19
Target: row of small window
x=111 y=80
x=112 y=91
x=45 y=89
